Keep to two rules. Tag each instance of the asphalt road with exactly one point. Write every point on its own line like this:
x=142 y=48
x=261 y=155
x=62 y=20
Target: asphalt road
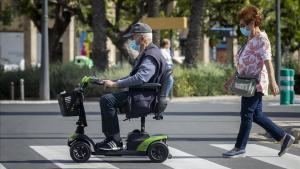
x=33 y=136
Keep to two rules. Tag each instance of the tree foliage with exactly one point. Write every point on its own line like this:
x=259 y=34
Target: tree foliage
x=223 y=13
x=121 y=14
x=127 y=12
x=60 y=12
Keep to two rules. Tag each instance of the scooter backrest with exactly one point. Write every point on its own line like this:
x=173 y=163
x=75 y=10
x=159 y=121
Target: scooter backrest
x=162 y=101
x=164 y=82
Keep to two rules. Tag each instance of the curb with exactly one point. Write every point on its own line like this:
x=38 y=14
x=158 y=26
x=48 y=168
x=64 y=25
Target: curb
x=28 y=102
x=269 y=98
x=228 y=98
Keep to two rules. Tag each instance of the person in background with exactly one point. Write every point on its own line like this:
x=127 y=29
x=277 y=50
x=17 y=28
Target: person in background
x=255 y=60
x=83 y=51
x=166 y=52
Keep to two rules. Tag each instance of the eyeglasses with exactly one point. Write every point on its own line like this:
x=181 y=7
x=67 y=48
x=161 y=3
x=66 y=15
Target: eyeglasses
x=243 y=24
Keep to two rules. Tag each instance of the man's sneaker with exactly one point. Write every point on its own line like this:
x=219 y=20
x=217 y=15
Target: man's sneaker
x=103 y=142
x=286 y=144
x=108 y=144
x=234 y=153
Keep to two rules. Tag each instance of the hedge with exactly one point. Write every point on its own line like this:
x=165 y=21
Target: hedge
x=62 y=77
x=205 y=80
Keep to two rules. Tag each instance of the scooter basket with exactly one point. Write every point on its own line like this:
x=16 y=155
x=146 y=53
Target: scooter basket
x=69 y=103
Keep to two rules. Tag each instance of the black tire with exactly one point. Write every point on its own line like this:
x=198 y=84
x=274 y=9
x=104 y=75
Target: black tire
x=158 y=152
x=80 y=151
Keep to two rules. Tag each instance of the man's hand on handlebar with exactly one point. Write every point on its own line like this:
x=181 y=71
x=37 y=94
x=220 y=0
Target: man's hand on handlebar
x=91 y=79
x=109 y=83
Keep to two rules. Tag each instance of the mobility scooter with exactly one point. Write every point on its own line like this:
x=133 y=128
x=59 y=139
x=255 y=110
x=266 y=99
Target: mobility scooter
x=138 y=143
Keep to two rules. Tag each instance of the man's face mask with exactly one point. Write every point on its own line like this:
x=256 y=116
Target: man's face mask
x=132 y=43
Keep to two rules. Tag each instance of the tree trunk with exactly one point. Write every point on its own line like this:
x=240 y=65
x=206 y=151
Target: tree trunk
x=99 y=51
x=194 y=37
x=153 y=11
x=54 y=34
x=62 y=21
x=55 y=55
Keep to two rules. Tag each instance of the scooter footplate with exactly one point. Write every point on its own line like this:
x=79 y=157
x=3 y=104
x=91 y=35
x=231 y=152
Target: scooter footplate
x=119 y=153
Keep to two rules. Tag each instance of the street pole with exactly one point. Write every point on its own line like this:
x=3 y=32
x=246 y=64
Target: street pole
x=44 y=70
x=278 y=43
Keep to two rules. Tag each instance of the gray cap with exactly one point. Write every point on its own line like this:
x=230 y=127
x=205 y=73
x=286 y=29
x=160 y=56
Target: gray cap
x=139 y=28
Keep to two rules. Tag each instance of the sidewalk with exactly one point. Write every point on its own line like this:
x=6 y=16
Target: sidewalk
x=228 y=98
x=174 y=99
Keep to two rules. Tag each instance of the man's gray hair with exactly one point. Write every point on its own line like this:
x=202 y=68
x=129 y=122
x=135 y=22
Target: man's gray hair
x=148 y=36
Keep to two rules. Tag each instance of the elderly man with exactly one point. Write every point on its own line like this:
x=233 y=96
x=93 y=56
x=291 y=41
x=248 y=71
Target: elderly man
x=148 y=67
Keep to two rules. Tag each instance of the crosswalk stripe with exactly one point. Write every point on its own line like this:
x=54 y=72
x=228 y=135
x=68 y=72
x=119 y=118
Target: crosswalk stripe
x=267 y=155
x=60 y=156
x=2 y=166
x=183 y=160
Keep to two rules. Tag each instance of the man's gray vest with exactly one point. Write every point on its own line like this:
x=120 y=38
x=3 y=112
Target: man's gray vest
x=141 y=102
x=160 y=63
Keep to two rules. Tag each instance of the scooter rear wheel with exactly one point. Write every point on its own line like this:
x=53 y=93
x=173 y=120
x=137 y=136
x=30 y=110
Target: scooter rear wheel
x=158 y=152
x=80 y=152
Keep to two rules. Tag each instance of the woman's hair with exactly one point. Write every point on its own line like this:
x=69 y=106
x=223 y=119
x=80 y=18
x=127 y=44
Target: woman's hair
x=165 y=42
x=250 y=13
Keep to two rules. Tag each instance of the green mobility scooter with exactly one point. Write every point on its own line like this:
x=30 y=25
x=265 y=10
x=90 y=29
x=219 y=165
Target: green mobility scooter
x=138 y=143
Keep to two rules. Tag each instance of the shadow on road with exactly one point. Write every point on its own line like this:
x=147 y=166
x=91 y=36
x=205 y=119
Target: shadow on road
x=196 y=139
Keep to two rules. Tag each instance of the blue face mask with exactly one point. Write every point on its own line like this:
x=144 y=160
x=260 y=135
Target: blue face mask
x=133 y=45
x=245 y=31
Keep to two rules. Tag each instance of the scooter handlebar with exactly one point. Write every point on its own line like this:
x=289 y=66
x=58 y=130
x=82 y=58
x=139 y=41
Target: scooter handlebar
x=96 y=81
x=91 y=79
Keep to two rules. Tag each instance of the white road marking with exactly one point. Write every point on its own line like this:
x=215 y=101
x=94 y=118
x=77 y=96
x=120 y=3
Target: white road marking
x=60 y=156
x=2 y=166
x=183 y=160
x=267 y=155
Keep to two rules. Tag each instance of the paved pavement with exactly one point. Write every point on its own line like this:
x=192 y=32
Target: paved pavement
x=33 y=136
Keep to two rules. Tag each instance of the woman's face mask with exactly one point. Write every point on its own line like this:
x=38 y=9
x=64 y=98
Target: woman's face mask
x=245 y=30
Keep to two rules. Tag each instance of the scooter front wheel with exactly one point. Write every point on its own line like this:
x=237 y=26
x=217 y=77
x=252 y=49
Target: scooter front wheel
x=158 y=152
x=80 y=151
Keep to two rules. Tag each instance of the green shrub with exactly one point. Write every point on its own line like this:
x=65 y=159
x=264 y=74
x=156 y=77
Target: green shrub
x=62 y=77
x=66 y=77
x=31 y=81
x=294 y=64
x=205 y=80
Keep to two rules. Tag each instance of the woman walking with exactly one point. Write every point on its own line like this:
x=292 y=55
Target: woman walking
x=255 y=60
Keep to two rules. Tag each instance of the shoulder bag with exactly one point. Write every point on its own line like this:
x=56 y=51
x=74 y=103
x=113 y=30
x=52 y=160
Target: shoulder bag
x=243 y=85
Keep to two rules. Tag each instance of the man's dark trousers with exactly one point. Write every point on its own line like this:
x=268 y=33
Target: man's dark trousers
x=108 y=106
